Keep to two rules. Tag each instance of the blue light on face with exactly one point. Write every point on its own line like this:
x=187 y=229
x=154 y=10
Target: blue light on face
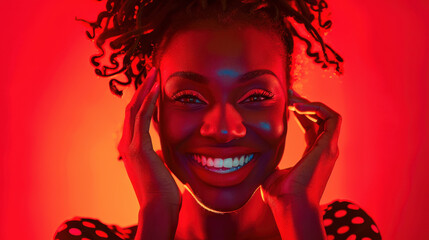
x=224 y=131
x=266 y=126
x=227 y=72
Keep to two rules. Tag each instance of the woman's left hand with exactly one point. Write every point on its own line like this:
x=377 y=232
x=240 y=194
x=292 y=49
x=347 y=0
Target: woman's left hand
x=308 y=178
x=294 y=194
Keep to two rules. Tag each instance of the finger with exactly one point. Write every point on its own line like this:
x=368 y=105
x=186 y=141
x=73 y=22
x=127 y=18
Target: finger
x=143 y=117
x=327 y=140
x=139 y=96
x=310 y=129
x=294 y=97
x=134 y=105
x=306 y=120
x=142 y=91
x=314 y=108
x=315 y=168
x=318 y=161
x=331 y=119
x=307 y=124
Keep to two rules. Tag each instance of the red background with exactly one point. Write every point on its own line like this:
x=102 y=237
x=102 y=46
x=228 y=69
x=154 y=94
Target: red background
x=60 y=124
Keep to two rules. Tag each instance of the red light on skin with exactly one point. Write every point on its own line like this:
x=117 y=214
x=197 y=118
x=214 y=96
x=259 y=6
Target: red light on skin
x=293 y=108
x=262 y=194
x=187 y=188
x=200 y=109
x=307 y=114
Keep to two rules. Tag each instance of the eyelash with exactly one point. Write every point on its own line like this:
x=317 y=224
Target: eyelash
x=259 y=93
x=191 y=95
x=187 y=95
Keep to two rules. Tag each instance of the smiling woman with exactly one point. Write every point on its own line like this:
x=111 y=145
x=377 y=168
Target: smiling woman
x=219 y=93
x=226 y=121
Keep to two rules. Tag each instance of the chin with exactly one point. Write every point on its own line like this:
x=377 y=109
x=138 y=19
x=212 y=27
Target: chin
x=223 y=191
x=227 y=185
x=223 y=199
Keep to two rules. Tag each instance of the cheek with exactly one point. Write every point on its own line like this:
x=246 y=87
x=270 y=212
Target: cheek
x=176 y=126
x=269 y=124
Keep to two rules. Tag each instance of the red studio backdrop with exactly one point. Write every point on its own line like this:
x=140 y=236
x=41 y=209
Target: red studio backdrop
x=60 y=124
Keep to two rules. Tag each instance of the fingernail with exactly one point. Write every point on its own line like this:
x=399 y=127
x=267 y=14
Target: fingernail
x=292 y=108
x=152 y=70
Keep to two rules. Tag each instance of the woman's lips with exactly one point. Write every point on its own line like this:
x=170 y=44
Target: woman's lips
x=222 y=172
x=223 y=165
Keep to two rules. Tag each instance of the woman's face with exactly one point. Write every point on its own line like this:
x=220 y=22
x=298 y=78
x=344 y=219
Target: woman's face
x=222 y=112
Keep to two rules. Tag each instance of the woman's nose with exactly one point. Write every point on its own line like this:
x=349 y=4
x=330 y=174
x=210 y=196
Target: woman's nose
x=223 y=123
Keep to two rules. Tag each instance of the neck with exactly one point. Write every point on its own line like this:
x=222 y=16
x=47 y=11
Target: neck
x=252 y=220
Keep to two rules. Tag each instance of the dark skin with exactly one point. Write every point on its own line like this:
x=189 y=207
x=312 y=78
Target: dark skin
x=225 y=113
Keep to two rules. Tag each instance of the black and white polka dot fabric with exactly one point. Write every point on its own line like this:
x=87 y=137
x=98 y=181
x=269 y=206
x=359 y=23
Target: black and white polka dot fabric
x=92 y=229
x=343 y=220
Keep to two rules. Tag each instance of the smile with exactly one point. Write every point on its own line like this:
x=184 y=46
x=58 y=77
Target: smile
x=222 y=165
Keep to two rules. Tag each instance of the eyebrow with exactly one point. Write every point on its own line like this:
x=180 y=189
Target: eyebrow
x=201 y=79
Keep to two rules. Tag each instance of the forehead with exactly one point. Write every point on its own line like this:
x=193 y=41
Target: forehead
x=212 y=50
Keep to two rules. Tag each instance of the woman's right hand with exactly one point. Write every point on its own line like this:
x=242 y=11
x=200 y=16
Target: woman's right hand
x=156 y=190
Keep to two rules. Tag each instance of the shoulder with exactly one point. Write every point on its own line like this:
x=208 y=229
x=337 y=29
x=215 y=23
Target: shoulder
x=347 y=220
x=79 y=228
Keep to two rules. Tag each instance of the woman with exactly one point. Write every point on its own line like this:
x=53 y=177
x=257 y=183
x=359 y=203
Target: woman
x=219 y=95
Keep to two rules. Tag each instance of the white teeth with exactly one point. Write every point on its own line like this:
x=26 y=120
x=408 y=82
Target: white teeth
x=210 y=162
x=218 y=162
x=235 y=162
x=241 y=161
x=227 y=163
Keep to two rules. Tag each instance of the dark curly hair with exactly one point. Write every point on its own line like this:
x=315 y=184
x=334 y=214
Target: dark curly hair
x=138 y=30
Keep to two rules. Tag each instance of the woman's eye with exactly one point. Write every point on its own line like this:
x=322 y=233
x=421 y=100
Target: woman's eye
x=259 y=96
x=255 y=98
x=188 y=98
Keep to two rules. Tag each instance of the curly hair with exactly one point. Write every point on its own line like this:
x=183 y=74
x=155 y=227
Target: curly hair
x=138 y=31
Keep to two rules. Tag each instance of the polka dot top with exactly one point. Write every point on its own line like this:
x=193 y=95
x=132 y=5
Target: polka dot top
x=343 y=220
